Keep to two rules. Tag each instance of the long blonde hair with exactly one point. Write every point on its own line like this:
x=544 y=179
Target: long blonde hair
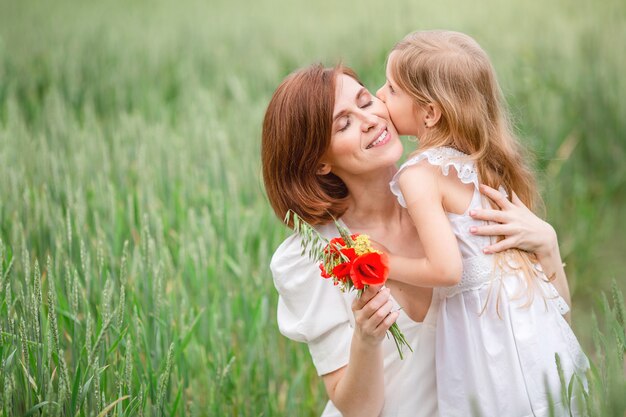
x=450 y=70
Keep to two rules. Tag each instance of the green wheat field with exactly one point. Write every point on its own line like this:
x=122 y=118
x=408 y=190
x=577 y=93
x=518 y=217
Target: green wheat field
x=135 y=232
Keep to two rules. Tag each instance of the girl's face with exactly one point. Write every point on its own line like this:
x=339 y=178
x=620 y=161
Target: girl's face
x=363 y=137
x=405 y=114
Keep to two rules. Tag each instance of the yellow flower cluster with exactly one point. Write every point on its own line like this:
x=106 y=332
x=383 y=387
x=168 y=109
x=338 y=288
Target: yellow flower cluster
x=362 y=245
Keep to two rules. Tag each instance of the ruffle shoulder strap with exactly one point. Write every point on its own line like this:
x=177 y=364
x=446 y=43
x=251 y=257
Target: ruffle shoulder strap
x=444 y=158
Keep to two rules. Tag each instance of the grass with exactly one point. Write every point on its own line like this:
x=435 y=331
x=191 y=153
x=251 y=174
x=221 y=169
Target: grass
x=135 y=232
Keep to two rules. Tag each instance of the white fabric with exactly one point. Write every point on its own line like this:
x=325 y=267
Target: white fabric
x=495 y=347
x=445 y=158
x=312 y=310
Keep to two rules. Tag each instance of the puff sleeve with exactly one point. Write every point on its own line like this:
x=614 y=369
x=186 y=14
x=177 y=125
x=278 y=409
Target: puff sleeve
x=311 y=309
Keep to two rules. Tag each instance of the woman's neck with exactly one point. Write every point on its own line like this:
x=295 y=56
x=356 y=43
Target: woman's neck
x=371 y=202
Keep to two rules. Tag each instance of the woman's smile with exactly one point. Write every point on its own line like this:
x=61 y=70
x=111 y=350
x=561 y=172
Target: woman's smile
x=382 y=139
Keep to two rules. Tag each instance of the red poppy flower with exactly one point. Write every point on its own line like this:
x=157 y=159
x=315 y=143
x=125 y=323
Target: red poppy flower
x=332 y=246
x=350 y=253
x=323 y=270
x=356 y=281
x=370 y=269
x=342 y=271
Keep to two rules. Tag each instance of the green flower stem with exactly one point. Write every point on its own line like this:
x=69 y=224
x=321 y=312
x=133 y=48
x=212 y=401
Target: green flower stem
x=399 y=339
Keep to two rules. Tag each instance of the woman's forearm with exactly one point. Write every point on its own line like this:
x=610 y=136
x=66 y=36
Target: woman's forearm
x=359 y=389
x=549 y=256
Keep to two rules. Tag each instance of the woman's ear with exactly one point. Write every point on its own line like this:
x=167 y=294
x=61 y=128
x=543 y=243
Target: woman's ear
x=323 y=169
x=433 y=115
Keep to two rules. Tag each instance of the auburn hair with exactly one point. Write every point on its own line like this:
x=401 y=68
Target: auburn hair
x=450 y=70
x=296 y=134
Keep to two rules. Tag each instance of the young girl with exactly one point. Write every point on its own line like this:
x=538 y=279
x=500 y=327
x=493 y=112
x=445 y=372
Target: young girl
x=500 y=321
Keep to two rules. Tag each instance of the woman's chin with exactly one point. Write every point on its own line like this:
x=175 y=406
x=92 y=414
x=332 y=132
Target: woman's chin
x=395 y=152
x=390 y=158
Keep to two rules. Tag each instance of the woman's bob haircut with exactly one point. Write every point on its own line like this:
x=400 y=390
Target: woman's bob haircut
x=297 y=132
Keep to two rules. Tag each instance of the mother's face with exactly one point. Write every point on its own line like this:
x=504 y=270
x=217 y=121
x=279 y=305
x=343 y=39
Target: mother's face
x=363 y=138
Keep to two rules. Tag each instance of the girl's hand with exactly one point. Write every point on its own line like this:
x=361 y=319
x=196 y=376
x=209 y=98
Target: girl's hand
x=521 y=228
x=373 y=315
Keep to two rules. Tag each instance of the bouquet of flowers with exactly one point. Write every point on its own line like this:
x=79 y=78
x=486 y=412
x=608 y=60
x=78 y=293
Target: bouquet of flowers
x=349 y=260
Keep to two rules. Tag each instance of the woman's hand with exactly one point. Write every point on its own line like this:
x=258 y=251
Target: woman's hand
x=521 y=228
x=373 y=315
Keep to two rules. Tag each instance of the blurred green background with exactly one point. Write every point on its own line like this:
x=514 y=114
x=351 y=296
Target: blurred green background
x=140 y=122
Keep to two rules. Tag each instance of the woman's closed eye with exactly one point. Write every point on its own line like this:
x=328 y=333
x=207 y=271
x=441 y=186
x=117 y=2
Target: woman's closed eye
x=363 y=101
x=346 y=124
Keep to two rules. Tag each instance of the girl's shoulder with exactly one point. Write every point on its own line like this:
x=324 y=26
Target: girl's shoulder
x=444 y=158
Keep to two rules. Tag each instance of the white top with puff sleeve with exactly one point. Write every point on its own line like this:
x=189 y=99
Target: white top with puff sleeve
x=312 y=310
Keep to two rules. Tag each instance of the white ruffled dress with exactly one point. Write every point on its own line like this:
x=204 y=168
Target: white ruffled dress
x=495 y=350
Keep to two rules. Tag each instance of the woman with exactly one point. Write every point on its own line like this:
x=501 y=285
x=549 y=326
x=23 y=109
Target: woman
x=329 y=150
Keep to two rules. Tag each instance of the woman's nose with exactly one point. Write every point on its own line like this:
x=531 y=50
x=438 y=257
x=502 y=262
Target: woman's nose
x=369 y=120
